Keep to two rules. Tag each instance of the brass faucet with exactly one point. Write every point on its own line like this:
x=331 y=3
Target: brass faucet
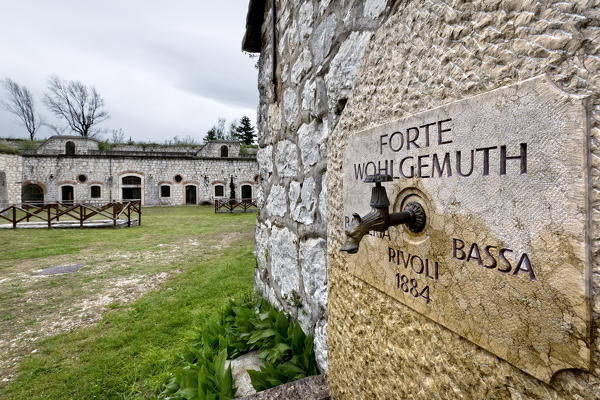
x=379 y=219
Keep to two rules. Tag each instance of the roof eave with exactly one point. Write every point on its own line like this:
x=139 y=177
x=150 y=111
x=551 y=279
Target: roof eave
x=252 y=42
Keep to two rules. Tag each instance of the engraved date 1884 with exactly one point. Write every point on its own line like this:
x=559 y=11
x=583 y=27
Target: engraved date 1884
x=411 y=286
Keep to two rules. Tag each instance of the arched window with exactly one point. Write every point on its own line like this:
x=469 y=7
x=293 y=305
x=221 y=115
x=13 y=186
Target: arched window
x=224 y=151
x=246 y=192
x=70 y=148
x=32 y=193
x=131 y=188
x=95 y=192
x=165 y=191
x=132 y=180
x=219 y=192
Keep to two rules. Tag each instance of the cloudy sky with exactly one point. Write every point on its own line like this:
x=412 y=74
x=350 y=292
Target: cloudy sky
x=164 y=68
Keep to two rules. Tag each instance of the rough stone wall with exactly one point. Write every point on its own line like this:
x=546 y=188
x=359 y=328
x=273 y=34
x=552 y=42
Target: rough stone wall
x=426 y=54
x=56 y=145
x=319 y=45
x=53 y=172
x=10 y=166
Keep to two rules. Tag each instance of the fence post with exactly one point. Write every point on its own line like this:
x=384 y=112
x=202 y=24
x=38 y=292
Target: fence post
x=14 y=208
x=129 y=215
x=140 y=213
x=114 y=208
x=49 y=207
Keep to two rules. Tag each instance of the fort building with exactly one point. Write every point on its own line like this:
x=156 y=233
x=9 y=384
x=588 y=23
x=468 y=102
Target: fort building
x=79 y=169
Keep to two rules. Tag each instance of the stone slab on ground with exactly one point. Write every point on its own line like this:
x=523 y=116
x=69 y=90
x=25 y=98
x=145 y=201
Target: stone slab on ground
x=241 y=379
x=61 y=269
x=310 y=388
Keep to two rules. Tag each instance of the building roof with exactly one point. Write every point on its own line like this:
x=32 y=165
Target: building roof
x=252 y=41
x=223 y=141
x=59 y=137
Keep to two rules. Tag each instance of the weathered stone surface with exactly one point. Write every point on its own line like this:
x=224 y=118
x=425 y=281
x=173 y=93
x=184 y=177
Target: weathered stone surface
x=286 y=159
x=344 y=66
x=539 y=281
x=310 y=388
x=321 y=344
x=264 y=156
x=309 y=36
x=304 y=212
x=323 y=199
x=294 y=193
x=290 y=105
x=311 y=139
x=277 y=201
x=239 y=368
x=418 y=61
x=262 y=239
x=314 y=270
x=284 y=258
x=374 y=8
x=61 y=269
x=301 y=66
x=320 y=43
x=305 y=19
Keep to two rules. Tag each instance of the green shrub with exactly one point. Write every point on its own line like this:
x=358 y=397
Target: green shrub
x=104 y=146
x=244 y=325
x=7 y=149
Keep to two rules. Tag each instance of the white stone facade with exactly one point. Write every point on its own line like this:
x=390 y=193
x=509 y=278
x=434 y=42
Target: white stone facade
x=180 y=169
x=10 y=177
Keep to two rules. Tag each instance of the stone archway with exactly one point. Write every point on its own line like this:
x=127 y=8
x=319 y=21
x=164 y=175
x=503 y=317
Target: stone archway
x=32 y=193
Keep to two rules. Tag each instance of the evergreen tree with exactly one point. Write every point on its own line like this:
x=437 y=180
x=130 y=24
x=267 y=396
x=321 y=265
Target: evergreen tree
x=217 y=132
x=245 y=131
x=211 y=135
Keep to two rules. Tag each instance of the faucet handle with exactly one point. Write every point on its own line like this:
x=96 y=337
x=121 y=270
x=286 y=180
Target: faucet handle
x=377 y=178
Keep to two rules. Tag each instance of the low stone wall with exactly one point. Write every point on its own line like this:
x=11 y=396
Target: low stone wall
x=10 y=178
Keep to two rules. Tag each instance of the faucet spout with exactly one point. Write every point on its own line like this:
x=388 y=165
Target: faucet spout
x=379 y=218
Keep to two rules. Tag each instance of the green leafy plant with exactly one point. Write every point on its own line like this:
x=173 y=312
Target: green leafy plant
x=243 y=325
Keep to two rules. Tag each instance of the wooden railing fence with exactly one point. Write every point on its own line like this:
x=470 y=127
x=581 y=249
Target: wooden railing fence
x=231 y=205
x=51 y=213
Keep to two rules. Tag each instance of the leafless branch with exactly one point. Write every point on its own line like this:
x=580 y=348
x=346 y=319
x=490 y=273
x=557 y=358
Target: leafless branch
x=20 y=103
x=79 y=105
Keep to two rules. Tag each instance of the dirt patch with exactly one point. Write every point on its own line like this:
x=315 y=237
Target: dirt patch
x=38 y=306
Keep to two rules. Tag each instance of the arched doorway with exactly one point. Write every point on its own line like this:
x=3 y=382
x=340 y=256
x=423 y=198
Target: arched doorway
x=67 y=194
x=224 y=151
x=70 y=148
x=190 y=194
x=32 y=193
x=131 y=188
x=246 y=192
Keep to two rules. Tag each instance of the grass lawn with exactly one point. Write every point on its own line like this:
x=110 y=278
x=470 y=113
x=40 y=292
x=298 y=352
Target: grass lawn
x=112 y=330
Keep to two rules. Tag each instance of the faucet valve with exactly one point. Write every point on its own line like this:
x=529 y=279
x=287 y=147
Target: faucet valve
x=380 y=219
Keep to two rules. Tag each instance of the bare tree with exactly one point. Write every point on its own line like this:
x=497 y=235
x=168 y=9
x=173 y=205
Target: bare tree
x=117 y=136
x=79 y=105
x=20 y=103
x=58 y=129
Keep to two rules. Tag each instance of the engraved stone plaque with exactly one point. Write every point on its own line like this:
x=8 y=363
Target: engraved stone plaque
x=504 y=258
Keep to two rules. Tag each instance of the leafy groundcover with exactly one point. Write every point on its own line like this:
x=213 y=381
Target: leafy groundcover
x=244 y=325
